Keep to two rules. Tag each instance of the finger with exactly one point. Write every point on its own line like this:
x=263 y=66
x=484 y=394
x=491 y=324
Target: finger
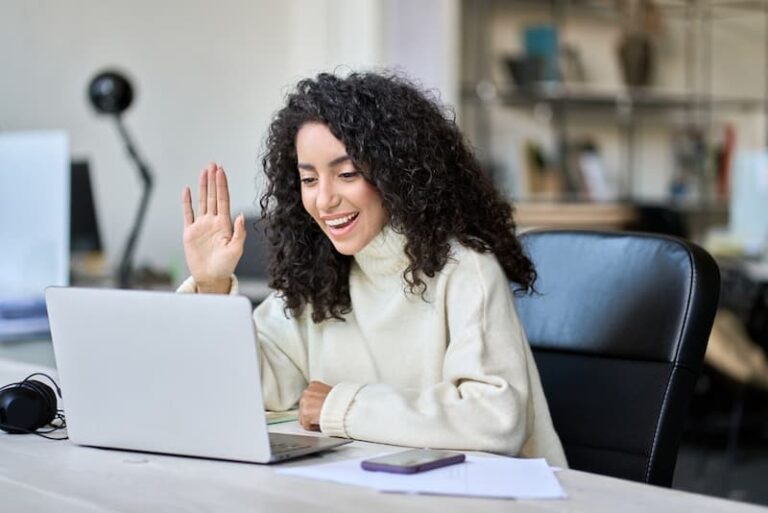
x=202 y=193
x=212 y=172
x=186 y=206
x=222 y=193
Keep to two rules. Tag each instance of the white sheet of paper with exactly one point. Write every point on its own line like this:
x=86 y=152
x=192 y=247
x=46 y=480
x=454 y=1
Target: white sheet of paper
x=493 y=476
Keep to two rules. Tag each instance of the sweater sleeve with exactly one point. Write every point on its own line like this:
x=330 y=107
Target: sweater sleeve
x=483 y=401
x=189 y=286
x=283 y=354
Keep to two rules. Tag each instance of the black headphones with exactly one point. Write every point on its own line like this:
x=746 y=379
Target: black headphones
x=29 y=405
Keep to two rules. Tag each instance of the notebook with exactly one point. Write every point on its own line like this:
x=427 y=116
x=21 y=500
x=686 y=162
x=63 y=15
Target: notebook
x=167 y=373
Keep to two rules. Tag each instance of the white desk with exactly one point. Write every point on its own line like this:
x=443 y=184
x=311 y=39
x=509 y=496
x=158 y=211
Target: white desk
x=38 y=475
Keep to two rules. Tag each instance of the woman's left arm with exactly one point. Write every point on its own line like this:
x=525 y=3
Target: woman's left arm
x=484 y=401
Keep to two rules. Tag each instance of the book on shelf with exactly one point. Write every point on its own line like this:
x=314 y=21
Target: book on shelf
x=703 y=165
x=582 y=177
x=542 y=178
x=725 y=161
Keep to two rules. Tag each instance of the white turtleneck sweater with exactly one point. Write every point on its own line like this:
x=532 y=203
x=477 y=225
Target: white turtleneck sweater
x=452 y=370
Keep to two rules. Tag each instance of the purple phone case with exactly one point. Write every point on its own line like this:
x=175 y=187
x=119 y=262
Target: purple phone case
x=399 y=469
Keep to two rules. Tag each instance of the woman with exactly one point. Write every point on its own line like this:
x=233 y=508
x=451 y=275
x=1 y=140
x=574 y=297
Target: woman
x=393 y=319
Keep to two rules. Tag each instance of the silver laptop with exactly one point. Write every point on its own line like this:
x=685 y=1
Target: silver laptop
x=167 y=373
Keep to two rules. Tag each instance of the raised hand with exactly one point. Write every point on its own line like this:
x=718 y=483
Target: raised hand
x=212 y=246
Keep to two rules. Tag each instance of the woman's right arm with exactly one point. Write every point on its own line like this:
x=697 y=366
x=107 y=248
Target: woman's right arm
x=283 y=354
x=212 y=245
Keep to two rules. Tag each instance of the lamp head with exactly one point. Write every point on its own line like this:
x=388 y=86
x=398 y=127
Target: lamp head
x=110 y=92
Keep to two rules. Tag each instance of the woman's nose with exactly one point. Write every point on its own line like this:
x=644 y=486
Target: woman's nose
x=327 y=196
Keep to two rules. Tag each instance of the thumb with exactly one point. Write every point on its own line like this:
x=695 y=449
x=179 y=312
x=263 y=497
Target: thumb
x=239 y=233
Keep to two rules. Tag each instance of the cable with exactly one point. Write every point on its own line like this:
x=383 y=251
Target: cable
x=43 y=434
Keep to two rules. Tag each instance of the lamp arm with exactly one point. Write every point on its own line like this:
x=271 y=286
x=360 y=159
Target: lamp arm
x=125 y=271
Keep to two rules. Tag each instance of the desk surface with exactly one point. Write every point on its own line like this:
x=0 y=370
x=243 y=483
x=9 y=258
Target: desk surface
x=38 y=475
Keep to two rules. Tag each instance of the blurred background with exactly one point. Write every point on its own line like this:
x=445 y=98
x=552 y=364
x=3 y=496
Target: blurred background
x=635 y=114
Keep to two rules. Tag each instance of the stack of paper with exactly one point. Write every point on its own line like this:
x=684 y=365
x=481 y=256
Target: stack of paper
x=278 y=417
x=23 y=318
x=492 y=476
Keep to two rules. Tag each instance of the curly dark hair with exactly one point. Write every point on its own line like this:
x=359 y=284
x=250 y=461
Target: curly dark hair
x=406 y=144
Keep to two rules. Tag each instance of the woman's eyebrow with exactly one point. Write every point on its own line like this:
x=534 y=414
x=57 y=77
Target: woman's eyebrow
x=339 y=160
x=334 y=162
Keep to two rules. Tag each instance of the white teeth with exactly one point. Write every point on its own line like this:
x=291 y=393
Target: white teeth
x=340 y=221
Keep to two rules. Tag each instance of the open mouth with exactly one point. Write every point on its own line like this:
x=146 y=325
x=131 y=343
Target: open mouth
x=342 y=222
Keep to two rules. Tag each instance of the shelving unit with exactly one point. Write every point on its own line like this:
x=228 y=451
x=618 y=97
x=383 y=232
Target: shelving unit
x=692 y=104
x=621 y=103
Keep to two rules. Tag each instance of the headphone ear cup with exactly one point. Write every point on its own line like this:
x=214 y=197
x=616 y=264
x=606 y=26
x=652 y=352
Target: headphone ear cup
x=48 y=406
x=26 y=407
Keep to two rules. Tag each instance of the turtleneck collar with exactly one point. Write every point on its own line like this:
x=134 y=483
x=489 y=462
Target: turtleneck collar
x=384 y=255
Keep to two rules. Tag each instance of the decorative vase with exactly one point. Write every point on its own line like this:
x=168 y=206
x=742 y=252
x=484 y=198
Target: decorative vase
x=636 y=57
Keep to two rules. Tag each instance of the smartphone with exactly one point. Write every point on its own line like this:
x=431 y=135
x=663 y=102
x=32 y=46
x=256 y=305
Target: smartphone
x=412 y=461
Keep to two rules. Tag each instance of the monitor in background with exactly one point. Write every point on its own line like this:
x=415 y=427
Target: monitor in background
x=83 y=225
x=34 y=212
x=34 y=228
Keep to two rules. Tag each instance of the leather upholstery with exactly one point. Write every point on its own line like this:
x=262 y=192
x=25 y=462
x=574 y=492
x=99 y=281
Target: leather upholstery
x=618 y=328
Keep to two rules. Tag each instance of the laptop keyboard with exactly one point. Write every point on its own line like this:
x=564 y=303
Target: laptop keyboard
x=285 y=447
x=280 y=442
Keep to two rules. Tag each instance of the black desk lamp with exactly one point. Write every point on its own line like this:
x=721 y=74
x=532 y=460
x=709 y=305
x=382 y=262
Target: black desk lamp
x=111 y=93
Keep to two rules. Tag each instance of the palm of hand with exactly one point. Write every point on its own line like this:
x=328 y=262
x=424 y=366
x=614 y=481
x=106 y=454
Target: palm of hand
x=212 y=246
x=211 y=251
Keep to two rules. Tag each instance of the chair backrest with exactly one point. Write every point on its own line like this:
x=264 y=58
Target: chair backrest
x=254 y=262
x=618 y=329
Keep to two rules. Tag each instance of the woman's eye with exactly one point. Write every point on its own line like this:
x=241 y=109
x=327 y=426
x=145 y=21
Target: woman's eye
x=308 y=180
x=348 y=175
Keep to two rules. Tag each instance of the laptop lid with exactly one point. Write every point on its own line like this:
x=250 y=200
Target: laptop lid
x=160 y=372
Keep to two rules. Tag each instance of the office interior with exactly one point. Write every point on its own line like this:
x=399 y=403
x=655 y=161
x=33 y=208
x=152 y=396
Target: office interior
x=641 y=115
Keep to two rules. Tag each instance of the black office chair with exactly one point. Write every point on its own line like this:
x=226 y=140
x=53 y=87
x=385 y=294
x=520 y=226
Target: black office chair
x=619 y=329
x=254 y=263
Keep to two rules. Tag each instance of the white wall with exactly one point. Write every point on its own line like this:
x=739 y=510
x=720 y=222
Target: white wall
x=422 y=40
x=207 y=80
x=209 y=75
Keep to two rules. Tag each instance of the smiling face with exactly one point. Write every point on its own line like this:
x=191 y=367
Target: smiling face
x=337 y=196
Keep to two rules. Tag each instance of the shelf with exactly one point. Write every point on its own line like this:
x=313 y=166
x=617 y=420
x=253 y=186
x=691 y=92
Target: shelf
x=599 y=215
x=719 y=206
x=677 y=8
x=622 y=101
x=551 y=214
